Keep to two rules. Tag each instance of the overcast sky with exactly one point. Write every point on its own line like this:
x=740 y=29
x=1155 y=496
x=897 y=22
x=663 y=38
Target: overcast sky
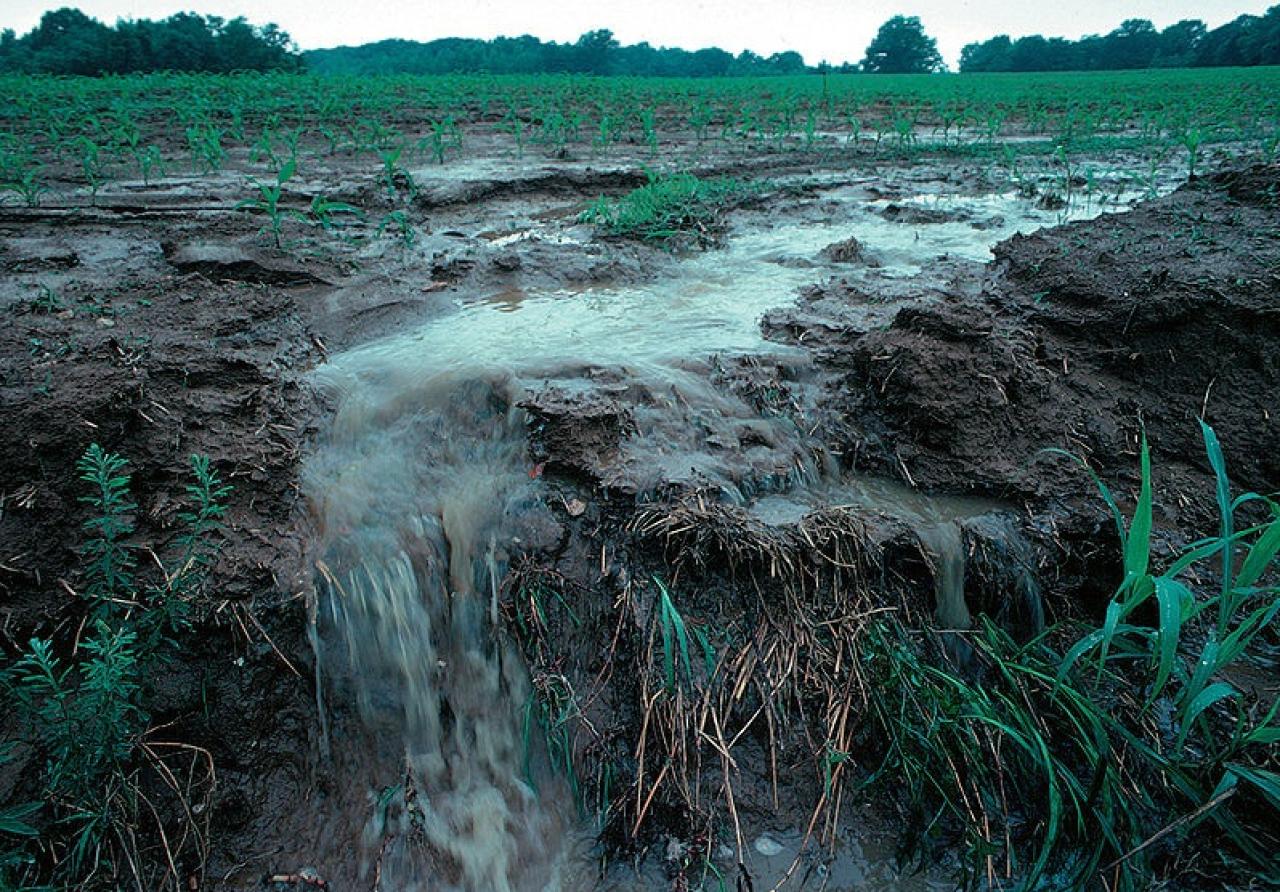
x=835 y=30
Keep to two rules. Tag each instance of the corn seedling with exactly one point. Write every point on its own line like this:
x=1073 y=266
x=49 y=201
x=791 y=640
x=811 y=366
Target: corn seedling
x=1192 y=138
x=92 y=166
x=46 y=303
x=205 y=145
x=329 y=215
x=444 y=135
x=394 y=176
x=268 y=203
x=150 y=163
x=398 y=223
x=28 y=185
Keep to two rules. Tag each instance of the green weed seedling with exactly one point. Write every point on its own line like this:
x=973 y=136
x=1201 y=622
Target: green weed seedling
x=668 y=207
x=87 y=711
x=46 y=303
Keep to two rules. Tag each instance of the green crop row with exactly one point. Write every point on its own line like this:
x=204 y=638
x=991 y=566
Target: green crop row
x=45 y=112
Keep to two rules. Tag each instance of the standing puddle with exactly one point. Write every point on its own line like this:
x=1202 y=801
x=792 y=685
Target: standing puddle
x=423 y=493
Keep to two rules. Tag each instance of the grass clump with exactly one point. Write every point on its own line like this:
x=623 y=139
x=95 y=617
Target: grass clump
x=670 y=207
x=1101 y=756
x=104 y=776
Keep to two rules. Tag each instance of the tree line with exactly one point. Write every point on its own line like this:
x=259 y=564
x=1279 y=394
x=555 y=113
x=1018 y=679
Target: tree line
x=596 y=52
x=69 y=42
x=1247 y=40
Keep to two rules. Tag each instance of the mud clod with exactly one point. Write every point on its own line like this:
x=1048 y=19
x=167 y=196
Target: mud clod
x=241 y=263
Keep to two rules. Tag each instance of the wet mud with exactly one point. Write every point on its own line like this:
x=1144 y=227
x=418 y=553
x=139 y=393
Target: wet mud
x=470 y=465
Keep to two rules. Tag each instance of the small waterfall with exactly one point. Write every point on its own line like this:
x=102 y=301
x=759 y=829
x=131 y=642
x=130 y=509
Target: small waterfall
x=944 y=541
x=422 y=487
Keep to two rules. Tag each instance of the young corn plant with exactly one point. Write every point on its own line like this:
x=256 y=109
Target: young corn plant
x=394 y=175
x=443 y=136
x=28 y=184
x=398 y=223
x=330 y=215
x=204 y=142
x=150 y=163
x=513 y=123
x=46 y=303
x=1191 y=139
x=268 y=203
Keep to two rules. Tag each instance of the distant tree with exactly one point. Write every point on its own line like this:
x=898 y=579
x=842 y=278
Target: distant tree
x=68 y=42
x=748 y=63
x=712 y=62
x=1133 y=45
x=990 y=55
x=593 y=51
x=1227 y=45
x=13 y=55
x=786 y=63
x=596 y=52
x=901 y=46
x=1179 y=43
x=1029 y=54
x=1267 y=46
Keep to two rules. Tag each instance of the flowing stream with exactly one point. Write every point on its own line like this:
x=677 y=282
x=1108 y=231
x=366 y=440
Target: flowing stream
x=424 y=493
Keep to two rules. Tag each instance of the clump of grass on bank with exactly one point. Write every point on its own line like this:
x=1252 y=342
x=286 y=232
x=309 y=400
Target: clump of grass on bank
x=670 y=207
x=1101 y=756
x=1114 y=754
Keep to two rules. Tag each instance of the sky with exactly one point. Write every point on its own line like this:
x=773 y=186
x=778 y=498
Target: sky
x=831 y=30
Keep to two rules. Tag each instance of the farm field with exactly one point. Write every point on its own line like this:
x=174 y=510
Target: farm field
x=482 y=483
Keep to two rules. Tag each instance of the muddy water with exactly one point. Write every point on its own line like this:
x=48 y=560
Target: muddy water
x=935 y=520
x=424 y=493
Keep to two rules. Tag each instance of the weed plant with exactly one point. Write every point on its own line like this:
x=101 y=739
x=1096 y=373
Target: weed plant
x=670 y=206
x=85 y=705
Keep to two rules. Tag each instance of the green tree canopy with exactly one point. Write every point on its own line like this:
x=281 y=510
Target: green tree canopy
x=902 y=47
x=69 y=42
x=1247 y=40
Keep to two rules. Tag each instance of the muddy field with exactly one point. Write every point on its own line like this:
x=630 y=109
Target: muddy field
x=481 y=456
